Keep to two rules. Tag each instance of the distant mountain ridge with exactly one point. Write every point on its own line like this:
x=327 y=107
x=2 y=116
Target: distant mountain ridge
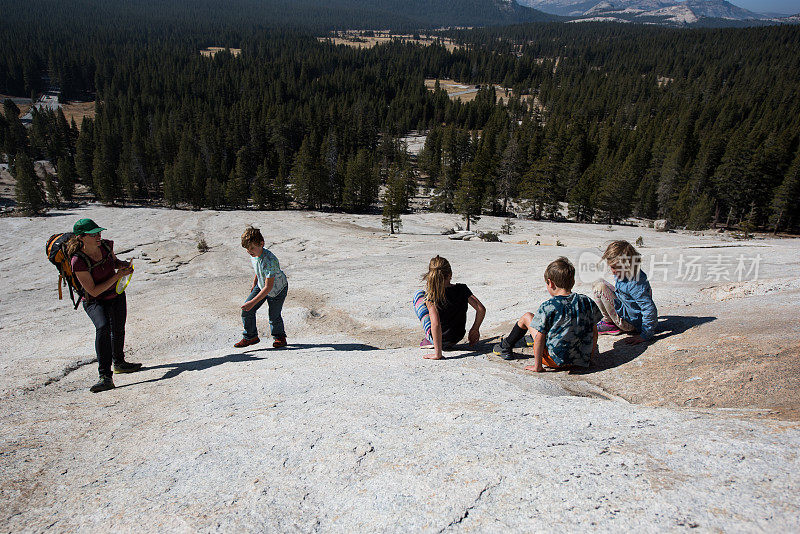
x=666 y=12
x=433 y=13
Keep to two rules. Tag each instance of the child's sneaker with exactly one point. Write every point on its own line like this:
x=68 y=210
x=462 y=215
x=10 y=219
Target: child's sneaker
x=503 y=350
x=244 y=342
x=425 y=343
x=604 y=327
x=527 y=340
x=279 y=342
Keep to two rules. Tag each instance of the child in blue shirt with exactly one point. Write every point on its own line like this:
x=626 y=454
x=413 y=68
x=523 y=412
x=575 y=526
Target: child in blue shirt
x=563 y=329
x=269 y=284
x=628 y=305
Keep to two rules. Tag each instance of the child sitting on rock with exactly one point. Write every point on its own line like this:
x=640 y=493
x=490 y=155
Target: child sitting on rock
x=442 y=309
x=563 y=329
x=628 y=305
x=269 y=284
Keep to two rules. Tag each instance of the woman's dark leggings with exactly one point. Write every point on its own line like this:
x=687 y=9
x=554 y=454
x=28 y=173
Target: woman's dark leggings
x=108 y=317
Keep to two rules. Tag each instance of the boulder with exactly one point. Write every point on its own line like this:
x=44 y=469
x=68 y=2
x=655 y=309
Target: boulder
x=462 y=235
x=661 y=225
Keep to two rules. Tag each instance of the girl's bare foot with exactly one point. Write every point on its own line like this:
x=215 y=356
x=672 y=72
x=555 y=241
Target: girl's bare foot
x=433 y=357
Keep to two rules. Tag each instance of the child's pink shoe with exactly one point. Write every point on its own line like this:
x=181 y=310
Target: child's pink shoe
x=604 y=327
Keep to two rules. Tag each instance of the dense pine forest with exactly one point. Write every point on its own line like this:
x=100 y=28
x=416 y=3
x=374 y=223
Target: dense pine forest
x=697 y=126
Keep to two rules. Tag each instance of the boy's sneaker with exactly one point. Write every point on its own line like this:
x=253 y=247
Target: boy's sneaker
x=104 y=384
x=279 y=342
x=425 y=343
x=503 y=350
x=244 y=342
x=527 y=341
x=126 y=367
x=604 y=327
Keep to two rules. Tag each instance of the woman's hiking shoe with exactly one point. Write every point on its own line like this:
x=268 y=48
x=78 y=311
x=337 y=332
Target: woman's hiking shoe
x=104 y=384
x=279 y=342
x=604 y=327
x=503 y=350
x=425 y=343
x=126 y=367
x=244 y=342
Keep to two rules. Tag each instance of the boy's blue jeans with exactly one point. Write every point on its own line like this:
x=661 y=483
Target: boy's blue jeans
x=275 y=305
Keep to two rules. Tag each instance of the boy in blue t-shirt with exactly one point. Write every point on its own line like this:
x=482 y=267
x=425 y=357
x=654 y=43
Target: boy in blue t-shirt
x=269 y=284
x=564 y=328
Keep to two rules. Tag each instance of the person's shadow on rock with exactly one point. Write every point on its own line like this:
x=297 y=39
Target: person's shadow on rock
x=622 y=353
x=348 y=347
x=176 y=369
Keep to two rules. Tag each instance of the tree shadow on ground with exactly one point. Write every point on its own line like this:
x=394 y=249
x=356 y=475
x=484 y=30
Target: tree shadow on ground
x=622 y=353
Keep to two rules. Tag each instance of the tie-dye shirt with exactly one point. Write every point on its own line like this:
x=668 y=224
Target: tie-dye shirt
x=567 y=322
x=267 y=266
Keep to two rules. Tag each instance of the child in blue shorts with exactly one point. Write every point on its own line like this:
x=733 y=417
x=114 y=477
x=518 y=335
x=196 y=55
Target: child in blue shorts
x=564 y=328
x=269 y=285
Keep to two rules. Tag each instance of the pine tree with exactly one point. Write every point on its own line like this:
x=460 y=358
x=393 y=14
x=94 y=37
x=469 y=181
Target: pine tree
x=52 y=190
x=262 y=190
x=84 y=153
x=236 y=190
x=394 y=199
x=331 y=168
x=469 y=196
x=103 y=172
x=360 y=182
x=281 y=189
x=508 y=173
x=214 y=195
x=455 y=152
x=245 y=171
x=307 y=176
x=785 y=205
x=171 y=187
x=544 y=186
x=732 y=177
x=199 y=180
x=66 y=178
x=580 y=197
x=28 y=190
x=430 y=159
x=16 y=138
x=125 y=174
x=701 y=213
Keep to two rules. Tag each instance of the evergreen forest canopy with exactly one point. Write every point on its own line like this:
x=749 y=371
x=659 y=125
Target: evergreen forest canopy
x=698 y=126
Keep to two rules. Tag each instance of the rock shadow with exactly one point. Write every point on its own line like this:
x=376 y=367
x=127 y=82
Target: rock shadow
x=622 y=353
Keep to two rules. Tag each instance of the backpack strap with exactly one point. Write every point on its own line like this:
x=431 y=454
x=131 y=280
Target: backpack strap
x=90 y=263
x=85 y=258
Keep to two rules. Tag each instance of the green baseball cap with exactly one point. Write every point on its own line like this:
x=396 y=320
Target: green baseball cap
x=86 y=226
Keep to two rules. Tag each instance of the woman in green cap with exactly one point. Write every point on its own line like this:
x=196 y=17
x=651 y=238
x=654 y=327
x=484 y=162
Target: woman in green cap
x=98 y=269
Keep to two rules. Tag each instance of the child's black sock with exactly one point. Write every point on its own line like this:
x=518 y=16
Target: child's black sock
x=513 y=338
